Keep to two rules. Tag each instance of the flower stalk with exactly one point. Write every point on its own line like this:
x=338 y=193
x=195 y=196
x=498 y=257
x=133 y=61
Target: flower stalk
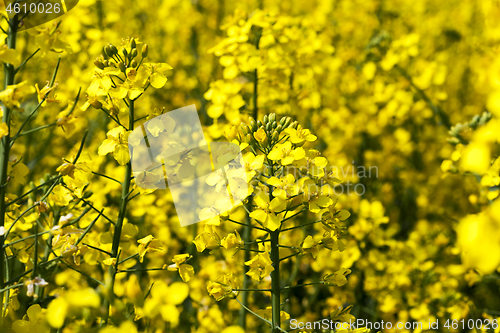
x=119 y=222
x=10 y=73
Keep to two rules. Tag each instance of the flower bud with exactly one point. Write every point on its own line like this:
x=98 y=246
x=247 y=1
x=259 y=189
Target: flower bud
x=248 y=139
x=105 y=52
x=133 y=45
x=279 y=128
x=245 y=129
x=253 y=126
x=265 y=119
x=268 y=126
x=282 y=120
x=145 y=50
x=259 y=124
x=99 y=64
x=105 y=63
x=114 y=110
x=288 y=120
x=133 y=63
x=125 y=52
x=275 y=136
x=134 y=53
x=113 y=49
x=274 y=125
x=122 y=67
x=272 y=117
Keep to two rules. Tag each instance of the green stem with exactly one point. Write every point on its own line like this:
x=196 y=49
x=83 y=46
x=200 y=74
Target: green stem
x=247 y=234
x=119 y=223
x=4 y=157
x=275 y=281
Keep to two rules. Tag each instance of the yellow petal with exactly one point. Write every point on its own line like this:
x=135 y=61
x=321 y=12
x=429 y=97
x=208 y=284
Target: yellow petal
x=186 y=272
x=121 y=154
x=56 y=312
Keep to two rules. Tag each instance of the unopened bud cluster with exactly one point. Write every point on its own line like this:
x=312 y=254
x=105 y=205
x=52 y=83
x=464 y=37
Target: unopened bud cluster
x=264 y=134
x=477 y=121
x=122 y=59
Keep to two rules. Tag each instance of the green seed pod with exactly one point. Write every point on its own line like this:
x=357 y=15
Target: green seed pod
x=99 y=64
x=144 y=50
x=279 y=128
x=133 y=63
x=265 y=119
x=274 y=125
x=113 y=49
x=122 y=67
x=272 y=117
x=134 y=53
x=259 y=123
x=275 y=136
x=133 y=45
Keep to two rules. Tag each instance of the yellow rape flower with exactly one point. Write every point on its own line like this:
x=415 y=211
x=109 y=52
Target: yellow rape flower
x=133 y=86
x=4 y=130
x=252 y=164
x=209 y=239
x=116 y=143
x=284 y=187
x=268 y=314
x=157 y=72
x=315 y=163
x=33 y=321
x=12 y=96
x=311 y=246
x=260 y=135
x=338 y=278
x=61 y=196
x=317 y=197
x=185 y=271
x=260 y=266
x=285 y=153
x=232 y=240
x=149 y=244
x=10 y=56
x=44 y=94
x=223 y=287
x=300 y=135
x=266 y=211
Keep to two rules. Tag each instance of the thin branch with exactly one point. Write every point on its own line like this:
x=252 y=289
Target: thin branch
x=25 y=61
